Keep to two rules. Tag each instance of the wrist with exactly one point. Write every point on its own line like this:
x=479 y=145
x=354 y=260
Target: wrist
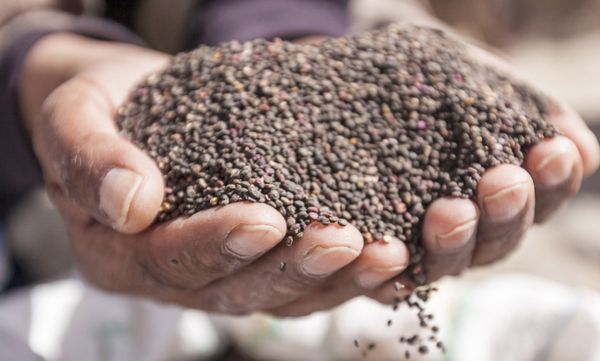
x=55 y=59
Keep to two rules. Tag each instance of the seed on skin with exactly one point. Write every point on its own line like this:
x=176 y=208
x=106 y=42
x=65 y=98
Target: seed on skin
x=371 y=346
x=387 y=238
x=356 y=344
x=289 y=240
x=398 y=286
x=282 y=266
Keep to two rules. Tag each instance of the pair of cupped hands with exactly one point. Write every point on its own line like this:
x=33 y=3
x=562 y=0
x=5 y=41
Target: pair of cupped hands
x=227 y=259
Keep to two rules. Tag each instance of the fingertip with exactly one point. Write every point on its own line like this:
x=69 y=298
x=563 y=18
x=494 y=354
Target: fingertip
x=325 y=249
x=570 y=123
x=379 y=262
x=334 y=236
x=144 y=206
x=385 y=255
x=242 y=213
x=132 y=190
x=553 y=162
x=504 y=191
x=449 y=224
x=590 y=152
x=242 y=229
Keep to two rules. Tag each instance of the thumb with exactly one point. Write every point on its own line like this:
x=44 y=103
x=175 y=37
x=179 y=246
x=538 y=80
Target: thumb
x=92 y=166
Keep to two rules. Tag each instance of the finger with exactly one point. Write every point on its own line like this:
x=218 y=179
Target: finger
x=505 y=197
x=182 y=255
x=449 y=232
x=556 y=169
x=564 y=117
x=377 y=263
x=570 y=124
x=84 y=156
x=322 y=251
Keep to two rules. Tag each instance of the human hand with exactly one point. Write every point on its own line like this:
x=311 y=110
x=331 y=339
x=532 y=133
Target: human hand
x=222 y=260
x=187 y=261
x=459 y=233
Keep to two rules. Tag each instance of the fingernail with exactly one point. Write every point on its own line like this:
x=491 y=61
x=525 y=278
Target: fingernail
x=458 y=237
x=555 y=169
x=507 y=203
x=247 y=240
x=321 y=261
x=375 y=277
x=117 y=190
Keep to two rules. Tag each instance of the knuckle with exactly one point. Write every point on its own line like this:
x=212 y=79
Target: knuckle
x=187 y=269
x=221 y=302
x=281 y=288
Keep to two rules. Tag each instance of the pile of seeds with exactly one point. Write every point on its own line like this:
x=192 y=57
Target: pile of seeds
x=367 y=129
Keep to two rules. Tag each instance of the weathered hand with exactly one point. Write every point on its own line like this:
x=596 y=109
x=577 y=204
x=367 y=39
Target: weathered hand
x=109 y=192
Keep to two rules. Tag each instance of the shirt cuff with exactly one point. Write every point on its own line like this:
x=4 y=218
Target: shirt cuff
x=223 y=20
x=19 y=169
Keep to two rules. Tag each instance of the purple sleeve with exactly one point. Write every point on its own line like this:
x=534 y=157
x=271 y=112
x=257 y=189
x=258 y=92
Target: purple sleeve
x=19 y=170
x=223 y=20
